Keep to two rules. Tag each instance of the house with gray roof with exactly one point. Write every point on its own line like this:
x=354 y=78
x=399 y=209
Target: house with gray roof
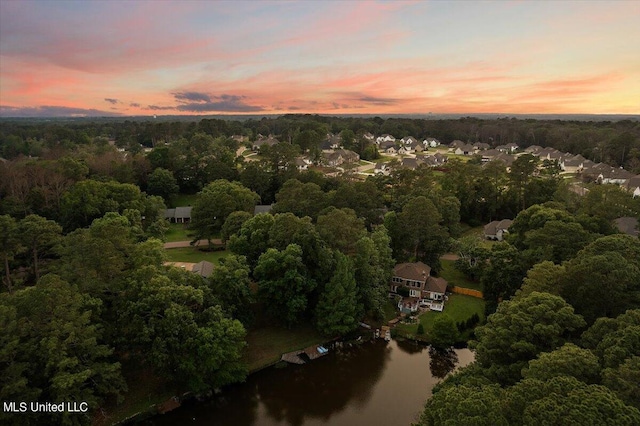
x=262 y=208
x=627 y=225
x=497 y=229
x=203 y=268
x=178 y=215
x=633 y=185
x=269 y=141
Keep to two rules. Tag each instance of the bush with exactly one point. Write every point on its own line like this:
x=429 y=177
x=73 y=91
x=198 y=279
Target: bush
x=420 y=329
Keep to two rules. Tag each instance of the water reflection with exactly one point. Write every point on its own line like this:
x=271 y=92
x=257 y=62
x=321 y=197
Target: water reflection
x=371 y=384
x=443 y=361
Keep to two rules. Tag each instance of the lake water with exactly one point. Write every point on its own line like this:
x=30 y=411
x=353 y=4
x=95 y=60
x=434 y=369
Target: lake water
x=375 y=383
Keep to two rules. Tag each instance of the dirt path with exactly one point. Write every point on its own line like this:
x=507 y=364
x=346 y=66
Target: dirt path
x=179 y=244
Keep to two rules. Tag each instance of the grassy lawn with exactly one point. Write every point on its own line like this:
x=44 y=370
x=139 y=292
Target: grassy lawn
x=459 y=307
x=145 y=389
x=267 y=344
x=178 y=232
x=193 y=255
x=184 y=200
x=383 y=159
x=478 y=232
x=456 y=277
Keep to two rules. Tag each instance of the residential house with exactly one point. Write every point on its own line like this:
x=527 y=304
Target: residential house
x=385 y=138
x=435 y=160
x=627 y=225
x=573 y=164
x=465 y=149
x=385 y=145
x=409 y=140
x=382 y=169
x=508 y=148
x=633 y=185
x=302 y=163
x=178 y=215
x=456 y=144
x=417 y=288
x=497 y=229
x=203 y=268
x=268 y=141
x=614 y=175
x=262 y=208
x=533 y=149
x=417 y=146
x=411 y=163
x=368 y=136
x=490 y=155
x=505 y=158
x=480 y=146
x=550 y=154
x=405 y=149
x=331 y=142
x=339 y=157
x=440 y=158
x=431 y=143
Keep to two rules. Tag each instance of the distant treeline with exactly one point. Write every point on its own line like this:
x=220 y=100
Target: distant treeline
x=613 y=142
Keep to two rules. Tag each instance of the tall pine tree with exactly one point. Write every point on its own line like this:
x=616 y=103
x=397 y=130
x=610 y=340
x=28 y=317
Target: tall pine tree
x=337 y=308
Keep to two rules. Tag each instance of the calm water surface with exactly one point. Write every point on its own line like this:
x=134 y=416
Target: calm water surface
x=371 y=384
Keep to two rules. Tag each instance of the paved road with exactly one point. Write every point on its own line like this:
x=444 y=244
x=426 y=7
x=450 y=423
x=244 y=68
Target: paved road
x=178 y=244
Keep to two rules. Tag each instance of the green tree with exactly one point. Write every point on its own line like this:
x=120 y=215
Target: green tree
x=54 y=351
x=444 y=332
x=231 y=287
x=520 y=176
x=233 y=224
x=165 y=321
x=543 y=278
x=283 y=283
x=301 y=199
x=38 y=235
x=289 y=229
x=559 y=241
x=465 y=405
x=520 y=330
x=253 y=238
x=624 y=380
x=337 y=308
x=215 y=203
x=162 y=182
x=373 y=264
x=9 y=246
x=568 y=360
x=565 y=400
x=340 y=229
x=419 y=233
x=599 y=285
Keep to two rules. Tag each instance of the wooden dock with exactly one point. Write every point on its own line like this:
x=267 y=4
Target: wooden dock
x=294 y=357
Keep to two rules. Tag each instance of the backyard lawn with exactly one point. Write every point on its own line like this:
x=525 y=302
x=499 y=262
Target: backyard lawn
x=194 y=255
x=459 y=307
x=455 y=277
x=178 y=232
x=184 y=200
x=265 y=345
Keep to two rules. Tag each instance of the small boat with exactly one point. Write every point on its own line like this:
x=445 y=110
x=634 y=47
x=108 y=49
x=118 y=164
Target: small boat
x=322 y=350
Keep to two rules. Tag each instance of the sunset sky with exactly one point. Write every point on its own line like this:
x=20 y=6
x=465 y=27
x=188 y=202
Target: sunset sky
x=330 y=57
